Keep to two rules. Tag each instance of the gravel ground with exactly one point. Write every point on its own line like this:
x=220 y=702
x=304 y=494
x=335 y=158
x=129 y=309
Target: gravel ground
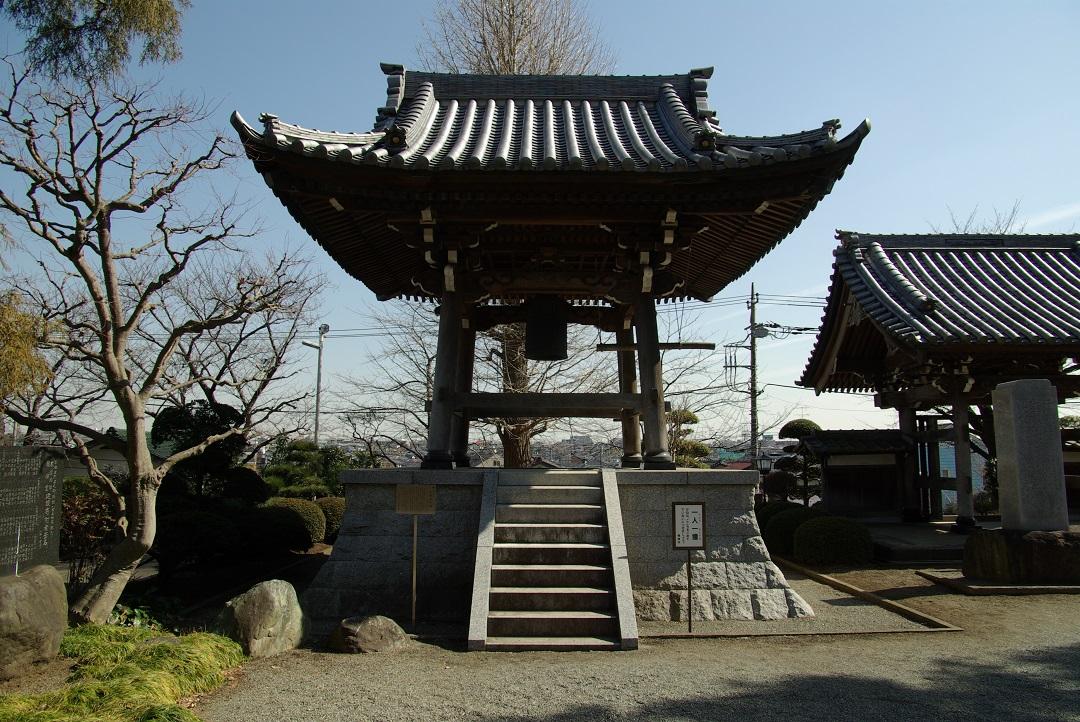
x=1017 y=659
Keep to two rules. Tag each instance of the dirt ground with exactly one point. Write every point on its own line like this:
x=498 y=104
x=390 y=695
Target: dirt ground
x=41 y=677
x=1017 y=658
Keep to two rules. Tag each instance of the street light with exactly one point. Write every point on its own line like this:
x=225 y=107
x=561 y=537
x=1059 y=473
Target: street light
x=323 y=330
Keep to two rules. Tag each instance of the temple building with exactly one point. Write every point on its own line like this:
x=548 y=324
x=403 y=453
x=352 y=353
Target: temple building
x=587 y=198
x=932 y=322
x=550 y=200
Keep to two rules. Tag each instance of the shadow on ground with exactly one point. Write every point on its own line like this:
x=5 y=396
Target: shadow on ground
x=1031 y=687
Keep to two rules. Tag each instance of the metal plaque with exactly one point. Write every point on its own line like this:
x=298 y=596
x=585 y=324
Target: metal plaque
x=415 y=499
x=688 y=525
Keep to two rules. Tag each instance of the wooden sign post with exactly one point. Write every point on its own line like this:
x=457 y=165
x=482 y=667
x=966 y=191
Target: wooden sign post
x=688 y=532
x=415 y=499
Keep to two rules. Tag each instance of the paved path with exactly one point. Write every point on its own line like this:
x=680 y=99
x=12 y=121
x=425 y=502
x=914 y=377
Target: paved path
x=1018 y=659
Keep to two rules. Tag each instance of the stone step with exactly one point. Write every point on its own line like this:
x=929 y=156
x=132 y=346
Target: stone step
x=581 y=533
x=552 y=598
x=553 y=644
x=549 y=477
x=549 y=513
x=552 y=624
x=550 y=553
x=550 y=575
x=551 y=494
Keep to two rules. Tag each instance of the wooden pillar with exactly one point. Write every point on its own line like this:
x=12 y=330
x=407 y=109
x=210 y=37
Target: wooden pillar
x=459 y=422
x=446 y=358
x=908 y=499
x=631 y=421
x=965 y=502
x=933 y=463
x=657 y=454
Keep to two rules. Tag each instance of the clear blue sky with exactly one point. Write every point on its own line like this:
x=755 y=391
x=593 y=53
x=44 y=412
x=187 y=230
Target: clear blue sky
x=972 y=104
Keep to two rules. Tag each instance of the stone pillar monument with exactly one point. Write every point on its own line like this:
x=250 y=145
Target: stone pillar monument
x=1031 y=477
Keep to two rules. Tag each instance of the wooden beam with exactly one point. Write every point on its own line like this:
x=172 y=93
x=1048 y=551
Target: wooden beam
x=680 y=346
x=939 y=483
x=603 y=317
x=584 y=405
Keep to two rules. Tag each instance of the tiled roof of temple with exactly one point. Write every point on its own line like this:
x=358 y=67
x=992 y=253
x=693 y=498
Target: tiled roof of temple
x=946 y=291
x=436 y=121
x=631 y=187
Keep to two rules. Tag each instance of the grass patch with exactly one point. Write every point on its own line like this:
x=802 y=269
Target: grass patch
x=128 y=674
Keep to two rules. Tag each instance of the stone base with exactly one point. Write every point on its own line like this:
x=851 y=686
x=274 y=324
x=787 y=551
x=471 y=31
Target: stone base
x=1016 y=557
x=369 y=570
x=712 y=604
x=733 y=577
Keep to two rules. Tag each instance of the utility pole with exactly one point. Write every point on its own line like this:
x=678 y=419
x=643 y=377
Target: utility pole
x=732 y=365
x=323 y=330
x=752 y=304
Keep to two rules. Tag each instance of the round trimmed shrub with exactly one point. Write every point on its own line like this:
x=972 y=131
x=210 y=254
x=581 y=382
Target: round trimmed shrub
x=779 y=533
x=833 y=540
x=770 y=509
x=246 y=485
x=309 y=514
x=333 y=508
x=272 y=530
x=193 y=537
x=304 y=491
x=779 y=484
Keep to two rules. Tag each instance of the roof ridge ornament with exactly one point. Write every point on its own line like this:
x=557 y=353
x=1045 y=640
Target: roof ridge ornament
x=395 y=94
x=849 y=240
x=699 y=89
x=267 y=119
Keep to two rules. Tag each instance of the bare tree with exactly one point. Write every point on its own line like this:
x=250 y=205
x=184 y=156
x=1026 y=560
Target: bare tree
x=390 y=414
x=386 y=409
x=142 y=267
x=1003 y=221
x=514 y=37
x=503 y=367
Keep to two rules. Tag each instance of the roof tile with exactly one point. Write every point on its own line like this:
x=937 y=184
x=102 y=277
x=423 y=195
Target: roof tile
x=438 y=121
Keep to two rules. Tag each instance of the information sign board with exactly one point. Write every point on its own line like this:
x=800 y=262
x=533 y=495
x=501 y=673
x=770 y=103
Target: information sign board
x=688 y=525
x=415 y=499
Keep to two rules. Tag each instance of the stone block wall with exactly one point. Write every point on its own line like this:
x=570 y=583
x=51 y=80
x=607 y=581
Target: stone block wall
x=733 y=577
x=370 y=568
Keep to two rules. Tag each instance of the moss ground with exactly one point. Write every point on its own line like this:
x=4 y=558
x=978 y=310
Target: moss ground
x=124 y=674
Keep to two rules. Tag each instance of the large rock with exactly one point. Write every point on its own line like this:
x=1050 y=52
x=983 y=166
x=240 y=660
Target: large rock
x=33 y=617
x=1014 y=557
x=265 y=620
x=368 y=634
x=1054 y=556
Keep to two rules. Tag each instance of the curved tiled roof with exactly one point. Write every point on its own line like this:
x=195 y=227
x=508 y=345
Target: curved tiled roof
x=953 y=290
x=621 y=169
x=436 y=121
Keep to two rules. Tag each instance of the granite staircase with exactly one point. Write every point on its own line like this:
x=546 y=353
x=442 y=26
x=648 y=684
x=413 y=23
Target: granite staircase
x=548 y=576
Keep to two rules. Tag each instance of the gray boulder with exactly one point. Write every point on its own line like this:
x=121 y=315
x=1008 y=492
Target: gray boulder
x=1010 y=556
x=33 y=617
x=368 y=634
x=265 y=620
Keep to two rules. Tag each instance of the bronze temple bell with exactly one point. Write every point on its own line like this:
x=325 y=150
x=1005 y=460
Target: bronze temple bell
x=545 y=328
